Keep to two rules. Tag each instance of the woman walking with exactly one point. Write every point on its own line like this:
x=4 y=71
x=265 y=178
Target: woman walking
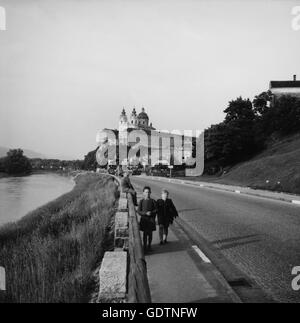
x=166 y=212
x=147 y=211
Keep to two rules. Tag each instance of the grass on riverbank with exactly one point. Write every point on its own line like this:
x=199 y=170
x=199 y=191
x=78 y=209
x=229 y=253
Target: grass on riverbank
x=50 y=254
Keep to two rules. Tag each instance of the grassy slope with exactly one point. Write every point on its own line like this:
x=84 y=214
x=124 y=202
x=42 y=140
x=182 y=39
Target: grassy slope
x=279 y=163
x=50 y=254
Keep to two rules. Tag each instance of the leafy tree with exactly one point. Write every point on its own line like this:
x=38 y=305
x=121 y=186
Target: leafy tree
x=90 y=162
x=262 y=103
x=239 y=131
x=284 y=117
x=16 y=163
x=247 y=128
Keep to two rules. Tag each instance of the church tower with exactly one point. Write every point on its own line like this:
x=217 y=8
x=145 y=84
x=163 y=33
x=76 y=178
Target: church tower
x=133 y=119
x=123 y=121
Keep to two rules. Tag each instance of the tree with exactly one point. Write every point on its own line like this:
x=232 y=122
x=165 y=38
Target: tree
x=239 y=133
x=262 y=103
x=16 y=163
x=285 y=115
x=239 y=110
x=90 y=162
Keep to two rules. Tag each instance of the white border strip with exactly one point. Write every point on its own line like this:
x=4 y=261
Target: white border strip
x=201 y=254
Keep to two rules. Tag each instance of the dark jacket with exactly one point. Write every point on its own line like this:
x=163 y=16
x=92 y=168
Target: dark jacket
x=147 y=222
x=166 y=211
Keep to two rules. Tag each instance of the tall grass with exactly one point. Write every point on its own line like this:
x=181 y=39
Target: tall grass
x=50 y=254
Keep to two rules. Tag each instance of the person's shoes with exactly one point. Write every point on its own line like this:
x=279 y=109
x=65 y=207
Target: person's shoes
x=165 y=241
x=161 y=243
x=149 y=248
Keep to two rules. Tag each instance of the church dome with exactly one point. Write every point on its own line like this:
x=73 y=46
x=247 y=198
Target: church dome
x=143 y=115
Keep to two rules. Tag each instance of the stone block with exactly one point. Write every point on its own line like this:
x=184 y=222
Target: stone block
x=122 y=204
x=113 y=276
x=123 y=195
x=121 y=220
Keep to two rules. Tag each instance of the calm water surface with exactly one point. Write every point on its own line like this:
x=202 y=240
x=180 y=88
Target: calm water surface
x=19 y=195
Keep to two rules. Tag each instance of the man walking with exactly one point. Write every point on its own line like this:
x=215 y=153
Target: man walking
x=166 y=212
x=147 y=211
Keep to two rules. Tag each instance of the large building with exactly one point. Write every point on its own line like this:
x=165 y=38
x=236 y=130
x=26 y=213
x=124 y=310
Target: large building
x=163 y=145
x=279 y=88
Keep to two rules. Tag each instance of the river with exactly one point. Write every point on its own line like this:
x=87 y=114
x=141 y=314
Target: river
x=19 y=195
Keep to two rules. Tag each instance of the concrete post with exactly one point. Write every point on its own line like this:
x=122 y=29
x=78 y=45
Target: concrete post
x=112 y=275
x=2 y=284
x=121 y=230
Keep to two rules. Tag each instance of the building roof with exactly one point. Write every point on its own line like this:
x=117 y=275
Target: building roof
x=283 y=84
x=143 y=114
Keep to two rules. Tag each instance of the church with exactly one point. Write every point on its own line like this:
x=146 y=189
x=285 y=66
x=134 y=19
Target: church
x=134 y=121
x=164 y=146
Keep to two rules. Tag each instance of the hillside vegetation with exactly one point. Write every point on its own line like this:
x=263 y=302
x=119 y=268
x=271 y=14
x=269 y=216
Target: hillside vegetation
x=276 y=168
x=50 y=254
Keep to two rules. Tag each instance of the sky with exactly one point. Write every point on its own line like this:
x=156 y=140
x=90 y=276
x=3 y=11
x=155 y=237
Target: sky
x=68 y=67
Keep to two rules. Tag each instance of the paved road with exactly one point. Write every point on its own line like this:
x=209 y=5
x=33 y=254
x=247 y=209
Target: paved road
x=260 y=236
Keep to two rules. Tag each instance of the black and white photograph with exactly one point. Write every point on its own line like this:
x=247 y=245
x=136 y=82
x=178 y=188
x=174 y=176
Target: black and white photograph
x=149 y=155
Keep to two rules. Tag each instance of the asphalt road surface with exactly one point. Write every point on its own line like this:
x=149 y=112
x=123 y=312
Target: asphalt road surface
x=260 y=236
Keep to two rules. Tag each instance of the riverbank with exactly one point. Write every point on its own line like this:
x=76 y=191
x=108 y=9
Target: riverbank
x=51 y=253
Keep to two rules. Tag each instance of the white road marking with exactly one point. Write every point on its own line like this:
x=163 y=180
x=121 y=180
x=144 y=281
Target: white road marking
x=201 y=254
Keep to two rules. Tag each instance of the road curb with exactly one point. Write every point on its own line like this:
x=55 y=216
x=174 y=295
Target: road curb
x=232 y=190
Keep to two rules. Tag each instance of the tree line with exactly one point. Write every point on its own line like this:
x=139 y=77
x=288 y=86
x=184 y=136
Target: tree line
x=15 y=162
x=248 y=127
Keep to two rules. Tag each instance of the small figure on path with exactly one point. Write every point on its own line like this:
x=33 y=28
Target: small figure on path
x=166 y=213
x=147 y=211
x=127 y=187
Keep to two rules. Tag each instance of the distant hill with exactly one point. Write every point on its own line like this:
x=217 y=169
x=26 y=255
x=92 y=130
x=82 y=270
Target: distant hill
x=276 y=168
x=27 y=152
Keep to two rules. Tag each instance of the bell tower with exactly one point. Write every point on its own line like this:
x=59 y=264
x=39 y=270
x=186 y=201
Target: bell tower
x=123 y=121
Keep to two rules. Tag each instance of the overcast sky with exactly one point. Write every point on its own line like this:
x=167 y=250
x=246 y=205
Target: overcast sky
x=67 y=67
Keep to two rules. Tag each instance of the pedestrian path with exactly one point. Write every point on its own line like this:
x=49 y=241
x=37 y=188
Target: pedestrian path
x=179 y=272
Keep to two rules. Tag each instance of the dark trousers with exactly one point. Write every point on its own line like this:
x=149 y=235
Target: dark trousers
x=163 y=230
x=147 y=238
